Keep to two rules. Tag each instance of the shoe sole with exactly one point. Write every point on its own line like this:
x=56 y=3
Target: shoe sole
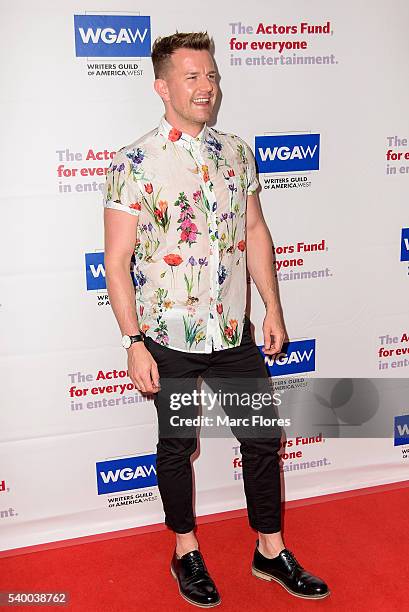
x=269 y=578
x=190 y=600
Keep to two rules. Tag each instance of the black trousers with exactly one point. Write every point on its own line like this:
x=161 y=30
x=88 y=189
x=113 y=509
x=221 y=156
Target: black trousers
x=225 y=372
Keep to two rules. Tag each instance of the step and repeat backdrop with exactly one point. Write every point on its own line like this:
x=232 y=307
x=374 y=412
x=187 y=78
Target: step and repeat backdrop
x=320 y=93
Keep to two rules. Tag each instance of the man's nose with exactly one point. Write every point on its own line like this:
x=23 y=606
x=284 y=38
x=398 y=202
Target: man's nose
x=206 y=84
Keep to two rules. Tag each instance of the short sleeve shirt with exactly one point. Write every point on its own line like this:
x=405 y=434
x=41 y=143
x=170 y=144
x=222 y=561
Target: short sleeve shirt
x=190 y=197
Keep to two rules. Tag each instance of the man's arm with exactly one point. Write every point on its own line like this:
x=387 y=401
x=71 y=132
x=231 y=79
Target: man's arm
x=260 y=267
x=120 y=238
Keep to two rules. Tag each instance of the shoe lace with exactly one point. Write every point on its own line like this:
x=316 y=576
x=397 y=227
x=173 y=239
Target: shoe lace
x=291 y=560
x=196 y=564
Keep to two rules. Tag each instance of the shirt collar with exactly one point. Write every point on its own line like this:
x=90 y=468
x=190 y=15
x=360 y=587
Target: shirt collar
x=166 y=130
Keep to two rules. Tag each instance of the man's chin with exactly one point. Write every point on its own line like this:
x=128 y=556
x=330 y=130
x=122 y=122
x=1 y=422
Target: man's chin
x=203 y=115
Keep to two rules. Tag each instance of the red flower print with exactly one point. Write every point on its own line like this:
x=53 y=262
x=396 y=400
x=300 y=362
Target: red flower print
x=158 y=213
x=141 y=309
x=174 y=134
x=188 y=235
x=163 y=205
x=231 y=172
x=219 y=308
x=189 y=231
x=205 y=170
x=149 y=188
x=228 y=332
x=135 y=206
x=172 y=259
x=241 y=245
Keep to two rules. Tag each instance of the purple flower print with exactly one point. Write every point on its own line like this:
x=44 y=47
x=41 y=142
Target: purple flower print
x=222 y=273
x=202 y=262
x=140 y=278
x=136 y=157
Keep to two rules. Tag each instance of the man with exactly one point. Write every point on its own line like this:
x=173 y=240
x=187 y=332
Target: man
x=194 y=224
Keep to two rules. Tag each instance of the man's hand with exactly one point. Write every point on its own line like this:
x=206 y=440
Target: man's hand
x=142 y=368
x=274 y=333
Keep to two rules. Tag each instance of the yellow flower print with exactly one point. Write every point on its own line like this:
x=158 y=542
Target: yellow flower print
x=205 y=171
x=199 y=337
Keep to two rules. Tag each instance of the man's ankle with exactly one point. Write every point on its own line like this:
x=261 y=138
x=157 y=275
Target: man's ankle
x=180 y=551
x=185 y=543
x=270 y=546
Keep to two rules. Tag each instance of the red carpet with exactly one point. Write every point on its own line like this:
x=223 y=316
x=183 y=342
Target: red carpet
x=357 y=544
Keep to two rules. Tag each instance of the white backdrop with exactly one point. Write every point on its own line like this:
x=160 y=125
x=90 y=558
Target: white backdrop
x=63 y=112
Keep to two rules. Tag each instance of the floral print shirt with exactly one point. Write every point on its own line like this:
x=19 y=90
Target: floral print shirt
x=190 y=197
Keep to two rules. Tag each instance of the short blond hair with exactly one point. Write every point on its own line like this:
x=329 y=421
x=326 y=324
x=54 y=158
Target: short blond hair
x=163 y=47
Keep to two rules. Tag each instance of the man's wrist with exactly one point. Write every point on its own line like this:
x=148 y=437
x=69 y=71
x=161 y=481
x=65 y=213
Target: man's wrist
x=127 y=341
x=135 y=347
x=272 y=307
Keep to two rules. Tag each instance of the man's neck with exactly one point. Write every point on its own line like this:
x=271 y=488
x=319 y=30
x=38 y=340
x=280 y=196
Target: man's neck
x=192 y=129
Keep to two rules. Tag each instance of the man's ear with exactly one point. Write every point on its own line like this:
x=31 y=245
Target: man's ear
x=161 y=89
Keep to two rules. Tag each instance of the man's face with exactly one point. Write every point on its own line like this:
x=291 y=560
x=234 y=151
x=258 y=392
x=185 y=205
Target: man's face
x=190 y=89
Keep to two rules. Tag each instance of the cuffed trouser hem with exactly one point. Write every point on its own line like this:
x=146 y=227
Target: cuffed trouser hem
x=266 y=530
x=178 y=530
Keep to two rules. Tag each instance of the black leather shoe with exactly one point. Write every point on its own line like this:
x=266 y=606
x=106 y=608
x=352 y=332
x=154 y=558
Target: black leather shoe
x=286 y=570
x=195 y=584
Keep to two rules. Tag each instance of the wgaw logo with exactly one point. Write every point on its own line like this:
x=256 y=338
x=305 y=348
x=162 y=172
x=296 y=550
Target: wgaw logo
x=112 y=36
x=296 y=357
x=126 y=474
x=401 y=430
x=95 y=271
x=287 y=153
x=404 y=246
